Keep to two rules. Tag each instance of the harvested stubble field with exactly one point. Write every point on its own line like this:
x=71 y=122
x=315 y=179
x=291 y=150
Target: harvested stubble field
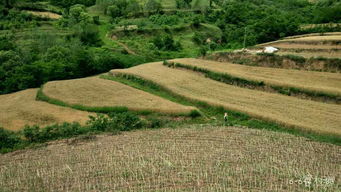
x=21 y=108
x=313 y=54
x=285 y=45
x=314 y=34
x=198 y=158
x=318 y=39
x=308 y=80
x=308 y=42
x=97 y=92
x=286 y=110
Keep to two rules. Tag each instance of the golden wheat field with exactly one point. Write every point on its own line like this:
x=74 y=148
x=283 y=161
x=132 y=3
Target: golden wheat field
x=286 y=110
x=97 y=92
x=195 y=158
x=21 y=108
x=308 y=80
x=45 y=14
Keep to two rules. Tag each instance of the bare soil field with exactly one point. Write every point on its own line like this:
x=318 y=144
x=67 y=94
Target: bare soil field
x=21 y=108
x=197 y=158
x=308 y=80
x=285 y=110
x=43 y=14
x=97 y=92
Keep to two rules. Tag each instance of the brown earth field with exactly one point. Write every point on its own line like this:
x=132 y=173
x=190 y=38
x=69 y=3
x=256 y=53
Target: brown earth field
x=21 y=108
x=285 y=110
x=195 y=158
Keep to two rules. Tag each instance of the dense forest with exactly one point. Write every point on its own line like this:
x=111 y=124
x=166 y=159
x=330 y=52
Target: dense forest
x=35 y=49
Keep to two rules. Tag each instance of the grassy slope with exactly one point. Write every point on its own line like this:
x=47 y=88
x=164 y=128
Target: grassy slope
x=307 y=80
x=199 y=158
x=313 y=116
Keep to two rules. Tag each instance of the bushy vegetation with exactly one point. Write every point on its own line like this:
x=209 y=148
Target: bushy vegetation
x=42 y=61
x=113 y=123
x=166 y=43
x=68 y=3
x=8 y=140
x=164 y=19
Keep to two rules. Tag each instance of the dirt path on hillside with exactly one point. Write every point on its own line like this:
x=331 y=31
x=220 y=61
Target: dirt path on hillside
x=125 y=47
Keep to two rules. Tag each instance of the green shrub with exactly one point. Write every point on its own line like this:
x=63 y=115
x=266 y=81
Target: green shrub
x=194 y=114
x=166 y=43
x=153 y=6
x=32 y=133
x=68 y=3
x=125 y=121
x=164 y=19
x=8 y=139
x=99 y=123
x=96 y=21
x=35 y=134
x=89 y=35
x=6 y=43
x=154 y=122
x=115 y=122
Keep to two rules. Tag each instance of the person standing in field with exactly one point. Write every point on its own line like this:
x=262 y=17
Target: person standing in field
x=226 y=118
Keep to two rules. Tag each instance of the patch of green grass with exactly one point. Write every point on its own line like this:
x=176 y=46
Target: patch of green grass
x=214 y=114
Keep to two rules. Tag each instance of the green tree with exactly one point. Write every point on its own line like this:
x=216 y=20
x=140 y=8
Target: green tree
x=8 y=139
x=153 y=6
x=78 y=14
x=8 y=3
x=114 y=11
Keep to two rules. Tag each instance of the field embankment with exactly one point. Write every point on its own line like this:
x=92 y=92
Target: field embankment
x=282 y=59
x=94 y=94
x=21 y=108
x=194 y=158
x=285 y=110
x=305 y=81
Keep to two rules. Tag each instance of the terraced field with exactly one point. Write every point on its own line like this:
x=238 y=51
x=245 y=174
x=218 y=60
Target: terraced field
x=21 y=108
x=308 y=80
x=310 y=54
x=197 y=158
x=288 y=111
x=97 y=92
x=45 y=14
x=328 y=45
